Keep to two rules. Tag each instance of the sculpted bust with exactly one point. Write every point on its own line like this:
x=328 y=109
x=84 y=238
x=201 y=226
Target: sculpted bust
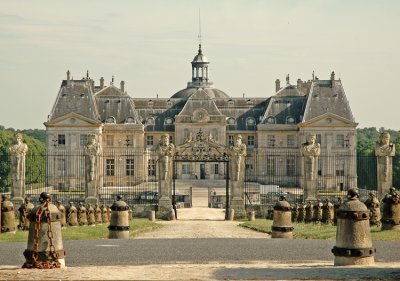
x=165 y=150
x=385 y=147
x=18 y=152
x=310 y=151
x=237 y=152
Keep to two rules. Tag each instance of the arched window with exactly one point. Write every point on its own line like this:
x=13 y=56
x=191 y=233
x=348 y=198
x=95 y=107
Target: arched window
x=251 y=123
x=231 y=122
x=110 y=120
x=271 y=120
x=129 y=120
x=290 y=120
x=169 y=121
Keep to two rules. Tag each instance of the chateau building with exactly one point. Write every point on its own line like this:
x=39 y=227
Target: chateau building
x=273 y=127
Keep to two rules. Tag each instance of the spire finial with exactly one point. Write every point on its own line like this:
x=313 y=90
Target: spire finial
x=199 y=36
x=287 y=79
x=87 y=74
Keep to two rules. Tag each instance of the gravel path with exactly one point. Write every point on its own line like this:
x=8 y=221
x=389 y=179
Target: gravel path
x=201 y=222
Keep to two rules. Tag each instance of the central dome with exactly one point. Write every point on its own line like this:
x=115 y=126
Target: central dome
x=211 y=92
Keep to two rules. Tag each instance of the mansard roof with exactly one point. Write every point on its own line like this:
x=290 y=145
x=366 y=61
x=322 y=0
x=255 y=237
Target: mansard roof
x=282 y=108
x=327 y=96
x=115 y=106
x=76 y=97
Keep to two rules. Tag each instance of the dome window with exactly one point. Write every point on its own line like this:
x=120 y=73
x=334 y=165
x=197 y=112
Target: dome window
x=150 y=121
x=129 y=120
x=169 y=121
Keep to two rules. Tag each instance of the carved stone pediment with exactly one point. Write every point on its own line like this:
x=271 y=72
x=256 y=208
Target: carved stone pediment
x=201 y=148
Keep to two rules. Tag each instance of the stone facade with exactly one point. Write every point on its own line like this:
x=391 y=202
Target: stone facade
x=276 y=122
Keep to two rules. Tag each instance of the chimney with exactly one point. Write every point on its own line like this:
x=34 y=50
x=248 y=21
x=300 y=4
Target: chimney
x=299 y=82
x=277 y=85
x=101 y=82
x=332 y=78
x=123 y=86
x=68 y=79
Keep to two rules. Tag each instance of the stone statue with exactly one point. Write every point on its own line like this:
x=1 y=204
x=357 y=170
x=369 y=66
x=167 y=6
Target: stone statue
x=373 y=206
x=189 y=138
x=391 y=210
x=92 y=151
x=384 y=151
x=165 y=151
x=237 y=153
x=310 y=151
x=18 y=152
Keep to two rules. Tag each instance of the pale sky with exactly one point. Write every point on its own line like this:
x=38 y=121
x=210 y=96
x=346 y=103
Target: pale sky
x=150 y=44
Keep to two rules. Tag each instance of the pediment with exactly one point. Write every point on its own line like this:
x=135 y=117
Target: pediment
x=110 y=91
x=71 y=120
x=200 y=101
x=328 y=120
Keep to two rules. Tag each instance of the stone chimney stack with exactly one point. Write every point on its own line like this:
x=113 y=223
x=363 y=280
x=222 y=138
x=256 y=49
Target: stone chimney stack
x=277 y=85
x=68 y=79
x=101 y=82
x=123 y=86
x=332 y=78
x=299 y=82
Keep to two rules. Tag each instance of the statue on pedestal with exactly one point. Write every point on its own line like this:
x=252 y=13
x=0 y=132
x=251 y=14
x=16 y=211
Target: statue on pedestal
x=384 y=151
x=18 y=152
x=92 y=151
x=237 y=154
x=310 y=151
x=165 y=151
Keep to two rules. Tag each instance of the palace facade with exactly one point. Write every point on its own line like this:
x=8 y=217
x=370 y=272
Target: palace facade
x=273 y=127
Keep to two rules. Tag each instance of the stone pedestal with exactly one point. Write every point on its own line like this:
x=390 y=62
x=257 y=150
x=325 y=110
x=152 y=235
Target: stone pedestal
x=18 y=192
x=164 y=208
x=385 y=174
x=310 y=190
x=237 y=200
x=91 y=193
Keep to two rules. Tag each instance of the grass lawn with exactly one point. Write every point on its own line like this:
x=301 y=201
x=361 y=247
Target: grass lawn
x=312 y=231
x=85 y=232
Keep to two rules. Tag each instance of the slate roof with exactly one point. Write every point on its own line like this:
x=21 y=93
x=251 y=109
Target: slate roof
x=77 y=98
x=211 y=92
x=113 y=103
x=326 y=96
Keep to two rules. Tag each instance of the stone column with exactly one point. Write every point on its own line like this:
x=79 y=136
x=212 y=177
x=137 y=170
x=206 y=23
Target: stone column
x=310 y=152
x=17 y=152
x=237 y=154
x=165 y=151
x=384 y=152
x=92 y=152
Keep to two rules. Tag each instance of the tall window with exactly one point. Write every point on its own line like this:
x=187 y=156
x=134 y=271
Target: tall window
x=216 y=169
x=318 y=139
x=151 y=167
x=110 y=140
x=270 y=166
x=171 y=139
x=340 y=140
x=61 y=140
x=340 y=167
x=110 y=167
x=61 y=166
x=230 y=140
x=290 y=166
x=270 y=140
x=83 y=140
x=149 y=140
x=186 y=169
x=130 y=167
x=290 y=141
x=250 y=140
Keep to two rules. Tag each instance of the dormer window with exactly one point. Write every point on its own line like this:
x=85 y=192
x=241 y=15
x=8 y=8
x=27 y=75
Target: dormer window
x=150 y=121
x=290 y=120
x=231 y=123
x=169 y=121
x=251 y=121
x=150 y=103
x=110 y=120
x=129 y=120
x=231 y=103
x=271 y=120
